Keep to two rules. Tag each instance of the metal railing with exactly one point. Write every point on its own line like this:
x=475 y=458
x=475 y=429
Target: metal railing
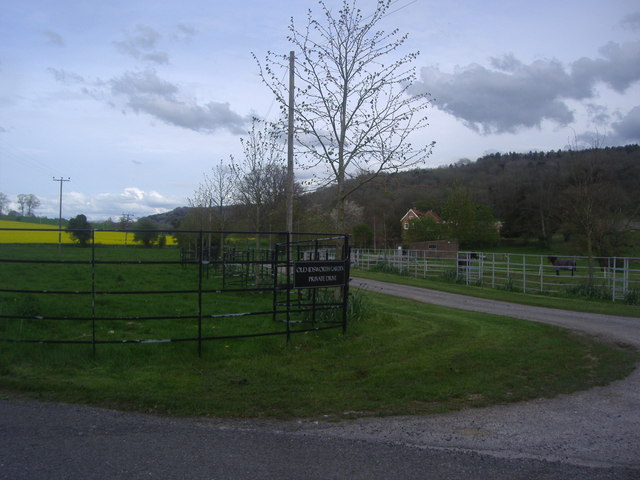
x=120 y=294
x=615 y=277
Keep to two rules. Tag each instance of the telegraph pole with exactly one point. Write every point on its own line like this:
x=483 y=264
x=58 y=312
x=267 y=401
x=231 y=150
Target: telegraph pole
x=61 y=180
x=290 y=144
x=125 y=219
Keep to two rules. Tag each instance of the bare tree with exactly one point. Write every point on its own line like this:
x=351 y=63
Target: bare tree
x=211 y=198
x=352 y=110
x=4 y=202
x=260 y=179
x=32 y=203
x=595 y=206
x=28 y=203
x=22 y=201
x=222 y=187
x=599 y=212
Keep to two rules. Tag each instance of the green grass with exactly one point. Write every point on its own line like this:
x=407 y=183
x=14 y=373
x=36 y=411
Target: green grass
x=403 y=358
x=397 y=358
x=577 y=304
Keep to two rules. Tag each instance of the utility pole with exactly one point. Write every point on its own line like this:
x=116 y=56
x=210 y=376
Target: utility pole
x=290 y=144
x=61 y=180
x=125 y=219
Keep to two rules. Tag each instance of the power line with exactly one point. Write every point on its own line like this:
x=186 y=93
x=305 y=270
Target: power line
x=399 y=8
x=22 y=159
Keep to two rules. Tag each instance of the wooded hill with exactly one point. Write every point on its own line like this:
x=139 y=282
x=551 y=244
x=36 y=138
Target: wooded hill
x=593 y=194
x=590 y=196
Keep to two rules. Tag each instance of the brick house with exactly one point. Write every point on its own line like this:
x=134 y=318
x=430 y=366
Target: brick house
x=432 y=248
x=413 y=213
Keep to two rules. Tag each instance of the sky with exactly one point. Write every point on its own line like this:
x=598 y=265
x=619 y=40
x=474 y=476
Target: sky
x=134 y=101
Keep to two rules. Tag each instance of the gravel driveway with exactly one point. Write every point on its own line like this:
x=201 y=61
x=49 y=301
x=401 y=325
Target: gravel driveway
x=586 y=435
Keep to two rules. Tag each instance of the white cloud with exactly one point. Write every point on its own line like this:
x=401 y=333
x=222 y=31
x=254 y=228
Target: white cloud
x=101 y=206
x=631 y=21
x=139 y=84
x=66 y=77
x=141 y=45
x=146 y=92
x=54 y=38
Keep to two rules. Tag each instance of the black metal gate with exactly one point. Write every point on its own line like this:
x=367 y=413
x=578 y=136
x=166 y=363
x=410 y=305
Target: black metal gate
x=211 y=285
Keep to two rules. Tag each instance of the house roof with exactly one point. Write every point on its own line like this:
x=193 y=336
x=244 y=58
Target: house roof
x=414 y=213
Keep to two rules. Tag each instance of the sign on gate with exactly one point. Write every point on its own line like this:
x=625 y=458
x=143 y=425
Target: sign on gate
x=315 y=274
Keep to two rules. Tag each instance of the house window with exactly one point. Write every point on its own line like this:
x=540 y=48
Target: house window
x=406 y=225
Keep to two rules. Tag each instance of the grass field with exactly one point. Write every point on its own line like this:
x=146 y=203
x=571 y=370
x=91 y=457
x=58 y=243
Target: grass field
x=398 y=357
x=118 y=294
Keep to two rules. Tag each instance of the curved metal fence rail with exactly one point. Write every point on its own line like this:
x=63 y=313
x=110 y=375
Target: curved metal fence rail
x=125 y=294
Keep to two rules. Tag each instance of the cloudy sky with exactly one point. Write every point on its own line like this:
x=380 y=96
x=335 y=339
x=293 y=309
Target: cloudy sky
x=134 y=100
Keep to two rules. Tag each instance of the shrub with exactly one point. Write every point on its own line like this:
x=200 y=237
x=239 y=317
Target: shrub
x=632 y=297
x=589 y=290
x=383 y=267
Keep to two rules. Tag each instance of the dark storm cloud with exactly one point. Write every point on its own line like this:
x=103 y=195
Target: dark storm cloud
x=510 y=95
x=145 y=92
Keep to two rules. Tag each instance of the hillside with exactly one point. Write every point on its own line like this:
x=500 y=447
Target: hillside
x=535 y=195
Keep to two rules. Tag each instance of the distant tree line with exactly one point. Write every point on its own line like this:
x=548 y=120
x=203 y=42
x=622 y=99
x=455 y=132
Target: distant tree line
x=591 y=196
x=26 y=202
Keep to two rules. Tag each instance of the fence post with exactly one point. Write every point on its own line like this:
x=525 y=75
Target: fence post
x=288 y=286
x=200 y=264
x=541 y=274
x=274 y=274
x=493 y=270
x=93 y=292
x=345 y=288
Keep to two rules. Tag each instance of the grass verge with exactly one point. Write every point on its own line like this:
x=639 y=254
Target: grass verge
x=550 y=301
x=402 y=358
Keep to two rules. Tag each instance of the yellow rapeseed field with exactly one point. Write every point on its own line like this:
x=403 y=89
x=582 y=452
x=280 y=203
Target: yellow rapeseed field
x=37 y=233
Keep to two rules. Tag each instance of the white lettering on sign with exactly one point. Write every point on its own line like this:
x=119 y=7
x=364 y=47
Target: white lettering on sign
x=324 y=278
x=320 y=269
x=313 y=274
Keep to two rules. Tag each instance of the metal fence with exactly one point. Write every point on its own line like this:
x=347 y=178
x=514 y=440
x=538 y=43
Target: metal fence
x=615 y=278
x=121 y=294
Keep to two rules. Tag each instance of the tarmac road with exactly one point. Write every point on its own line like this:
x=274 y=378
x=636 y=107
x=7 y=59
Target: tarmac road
x=587 y=435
